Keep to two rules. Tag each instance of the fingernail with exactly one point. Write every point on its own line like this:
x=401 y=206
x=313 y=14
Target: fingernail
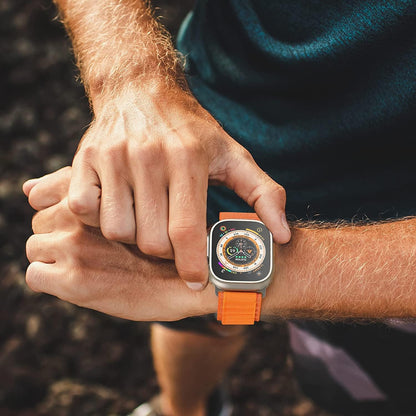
x=284 y=223
x=197 y=286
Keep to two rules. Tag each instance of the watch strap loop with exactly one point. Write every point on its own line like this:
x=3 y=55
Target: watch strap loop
x=239 y=216
x=239 y=308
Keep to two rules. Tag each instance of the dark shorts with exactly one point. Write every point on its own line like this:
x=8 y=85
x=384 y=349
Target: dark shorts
x=200 y=324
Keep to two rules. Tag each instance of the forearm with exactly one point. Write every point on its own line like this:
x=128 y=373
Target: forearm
x=118 y=43
x=346 y=271
x=335 y=272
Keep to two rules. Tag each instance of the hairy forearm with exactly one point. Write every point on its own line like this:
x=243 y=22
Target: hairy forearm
x=118 y=43
x=333 y=272
x=343 y=271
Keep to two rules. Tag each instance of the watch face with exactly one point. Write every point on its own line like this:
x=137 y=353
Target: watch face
x=241 y=250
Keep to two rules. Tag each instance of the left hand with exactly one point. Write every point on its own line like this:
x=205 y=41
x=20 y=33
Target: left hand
x=76 y=263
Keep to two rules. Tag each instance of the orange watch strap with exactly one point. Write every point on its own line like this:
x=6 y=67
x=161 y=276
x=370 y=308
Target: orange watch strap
x=239 y=308
x=238 y=216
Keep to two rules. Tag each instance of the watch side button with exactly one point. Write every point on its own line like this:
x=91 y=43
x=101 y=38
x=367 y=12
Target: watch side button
x=207 y=246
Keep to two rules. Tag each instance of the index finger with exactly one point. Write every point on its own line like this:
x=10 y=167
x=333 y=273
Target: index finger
x=187 y=223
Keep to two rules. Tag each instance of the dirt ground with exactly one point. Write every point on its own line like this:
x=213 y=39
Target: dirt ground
x=55 y=358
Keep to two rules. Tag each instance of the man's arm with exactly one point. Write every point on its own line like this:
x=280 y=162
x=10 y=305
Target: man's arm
x=119 y=44
x=142 y=169
x=335 y=272
x=341 y=271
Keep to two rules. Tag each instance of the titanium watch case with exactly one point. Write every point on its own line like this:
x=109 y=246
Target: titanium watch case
x=222 y=284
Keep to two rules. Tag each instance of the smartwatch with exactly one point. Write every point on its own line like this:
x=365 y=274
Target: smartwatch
x=240 y=256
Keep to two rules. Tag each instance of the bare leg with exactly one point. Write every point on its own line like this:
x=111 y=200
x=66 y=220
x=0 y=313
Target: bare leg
x=190 y=365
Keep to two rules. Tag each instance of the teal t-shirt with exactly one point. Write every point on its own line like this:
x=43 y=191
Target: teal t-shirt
x=322 y=93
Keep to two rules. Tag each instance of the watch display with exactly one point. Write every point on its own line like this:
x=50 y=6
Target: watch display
x=241 y=250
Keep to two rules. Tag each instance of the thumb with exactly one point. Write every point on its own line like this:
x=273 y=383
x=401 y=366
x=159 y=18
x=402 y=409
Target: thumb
x=261 y=192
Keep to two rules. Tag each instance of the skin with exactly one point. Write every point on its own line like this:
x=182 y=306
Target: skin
x=335 y=272
x=78 y=264
x=143 y=167
x=141 y=174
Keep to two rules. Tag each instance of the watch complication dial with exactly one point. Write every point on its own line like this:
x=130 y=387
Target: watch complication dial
x=241 y=251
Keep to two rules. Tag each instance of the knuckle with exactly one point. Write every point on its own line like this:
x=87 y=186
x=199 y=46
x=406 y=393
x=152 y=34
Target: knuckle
x=193 y=150
x=127 y=236
x=269 y=188
x=86 y=152
x=33 y=198
x=30 y=248
x=155 y=248
x=243 y=153
x=145 y=153
x=254 y=195
x=114 y=233
x=35 y=222
x=179 y=233
x=73 y=242
x=237 y=157
x=34 y=277
x=79 y=204
x=36 y=197
x=191 y=274
x=185 y=152
x=113 y=151
x=277 y=191
x=65 y=171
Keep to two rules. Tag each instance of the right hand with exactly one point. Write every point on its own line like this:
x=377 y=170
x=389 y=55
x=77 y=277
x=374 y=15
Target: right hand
x=142 y=170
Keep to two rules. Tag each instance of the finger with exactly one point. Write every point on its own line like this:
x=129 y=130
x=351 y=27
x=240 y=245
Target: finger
x=152 y=213
x=116 y=211
x=40 y=277
x=43 y=222
x=55 y=217
x=84 y=192
x=48 y=190
x=38 y=248
x=29 y=184
x=266 y=196
x=187 y=222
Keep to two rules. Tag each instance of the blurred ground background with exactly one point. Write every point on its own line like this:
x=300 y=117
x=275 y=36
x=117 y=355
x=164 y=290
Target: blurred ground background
x=55 y=358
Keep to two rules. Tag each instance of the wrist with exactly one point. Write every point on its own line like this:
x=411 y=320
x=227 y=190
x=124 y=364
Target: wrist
x=140 y=93
x=284 y=296
x=206 y=301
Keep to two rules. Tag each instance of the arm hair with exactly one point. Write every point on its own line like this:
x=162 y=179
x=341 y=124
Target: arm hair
x=338 y=271
x=118 y=43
